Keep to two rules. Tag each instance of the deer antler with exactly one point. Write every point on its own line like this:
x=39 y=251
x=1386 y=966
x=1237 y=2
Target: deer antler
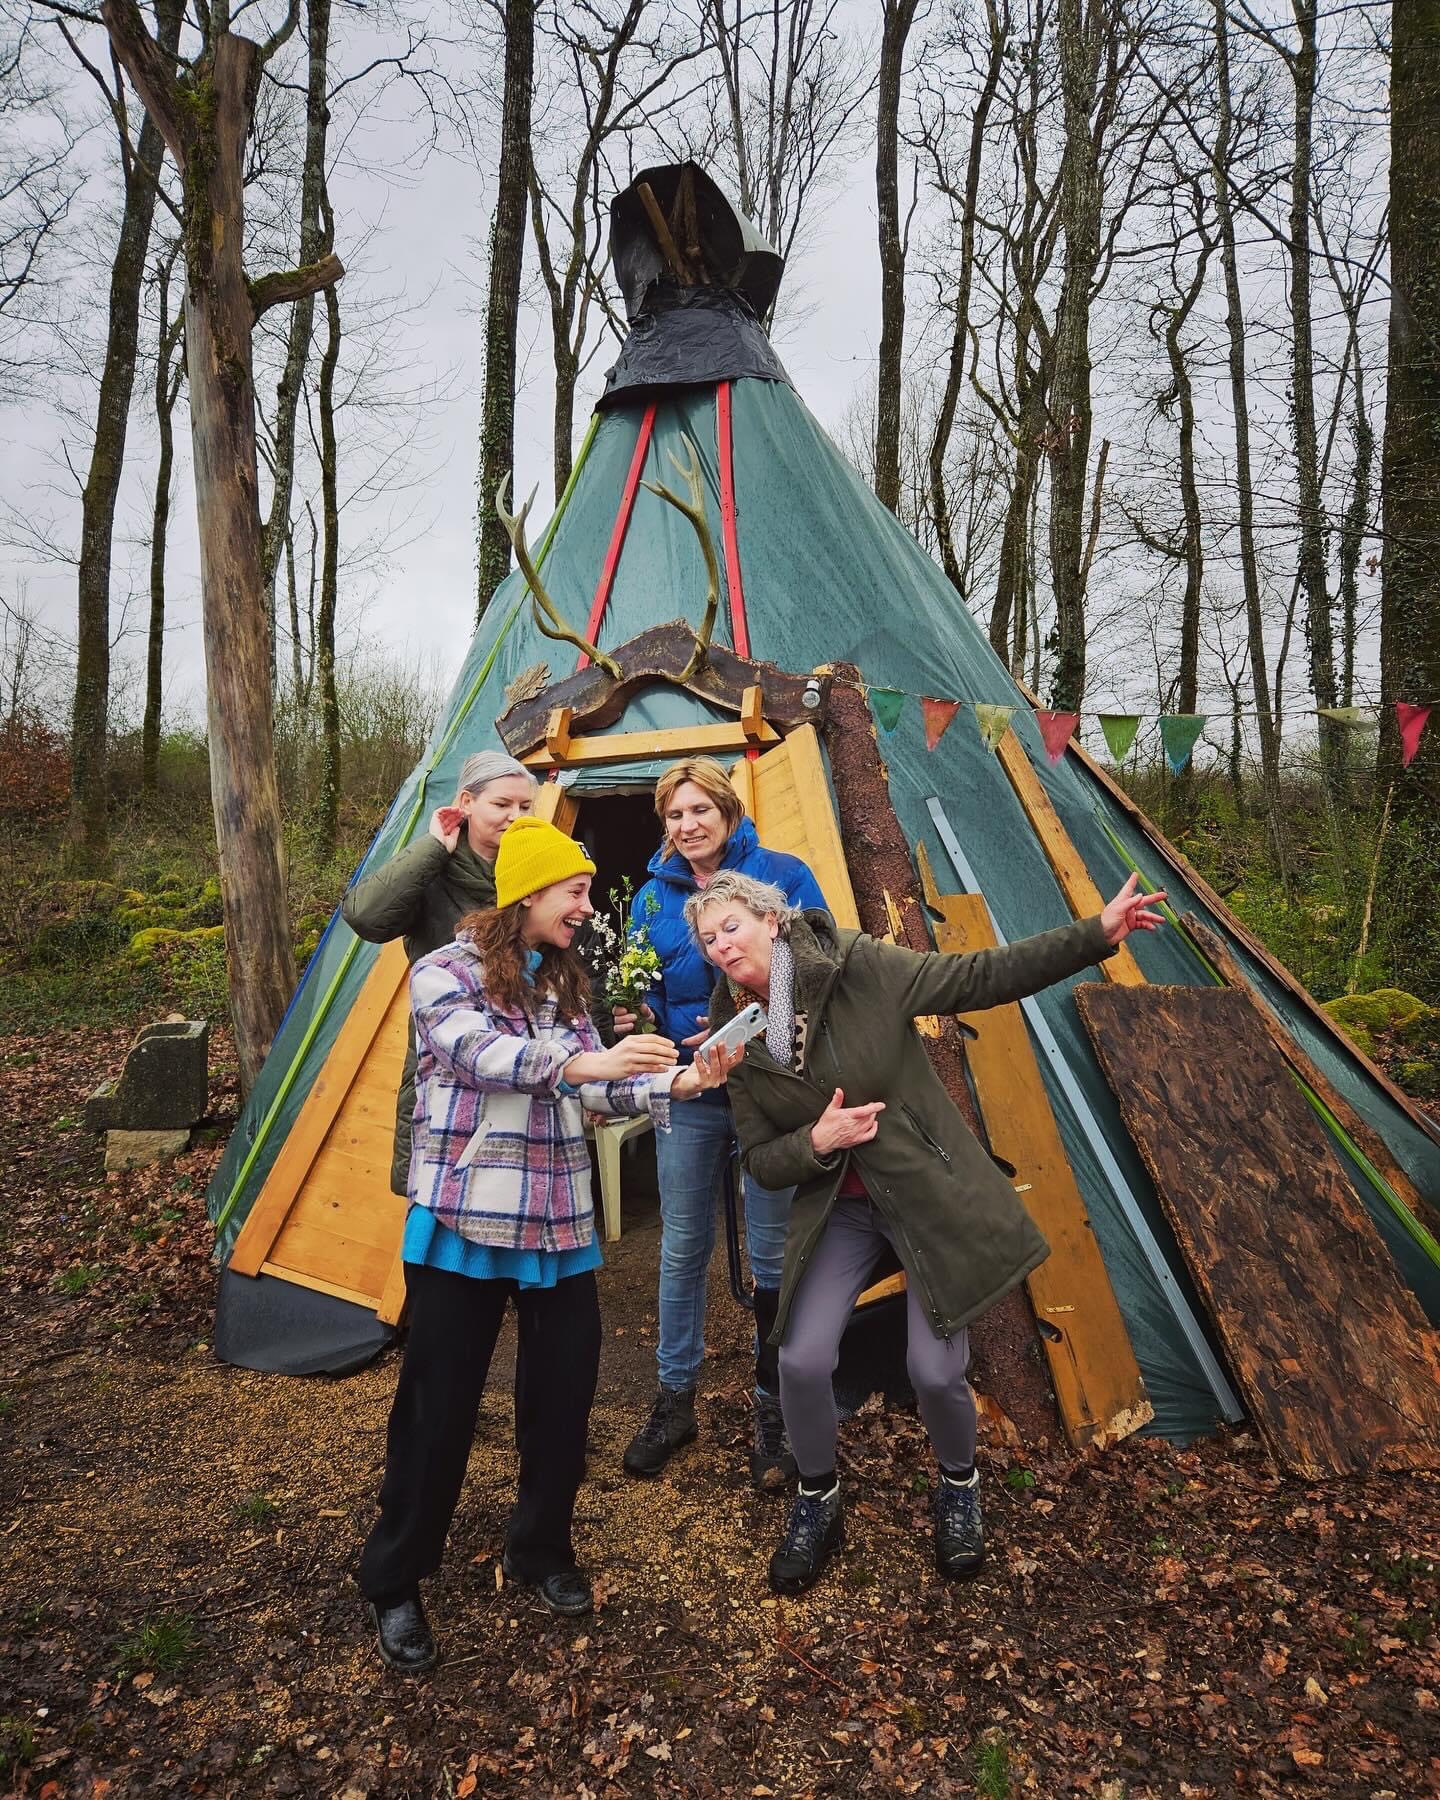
x=694 y=511
x=557 y=628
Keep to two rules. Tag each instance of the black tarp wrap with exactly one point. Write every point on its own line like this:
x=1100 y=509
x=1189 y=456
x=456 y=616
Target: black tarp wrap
x=691 y=337
x=735 y=255
x=264 y=1323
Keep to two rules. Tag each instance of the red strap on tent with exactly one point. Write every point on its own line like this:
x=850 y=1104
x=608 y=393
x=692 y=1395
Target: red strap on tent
x=617 y=536
x=725 y=442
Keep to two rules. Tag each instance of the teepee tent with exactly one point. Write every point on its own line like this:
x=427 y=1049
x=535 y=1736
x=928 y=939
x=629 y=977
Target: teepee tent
x=1144 y=1317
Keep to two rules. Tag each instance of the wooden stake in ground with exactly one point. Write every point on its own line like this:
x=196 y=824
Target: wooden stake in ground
x=204 y=116
x=1008 y=1361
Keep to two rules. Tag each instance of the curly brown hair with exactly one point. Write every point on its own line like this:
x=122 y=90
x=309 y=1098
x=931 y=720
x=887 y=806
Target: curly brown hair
x=497 y=933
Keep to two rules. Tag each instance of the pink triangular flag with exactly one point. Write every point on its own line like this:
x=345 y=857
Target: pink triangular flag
x=938 y=714
x=1057 y=729
x=1413 y=720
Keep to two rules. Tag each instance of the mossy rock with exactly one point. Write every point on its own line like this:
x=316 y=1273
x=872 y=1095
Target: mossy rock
x=171 y=884
x=1361 y=1016
x=89 y=896
x=1421 y=1080
x=84 y=937
x=205 y=908
x=156 y=940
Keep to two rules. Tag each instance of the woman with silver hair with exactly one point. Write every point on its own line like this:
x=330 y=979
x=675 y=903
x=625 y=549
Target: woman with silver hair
x=423 y=892
x=839 y=1099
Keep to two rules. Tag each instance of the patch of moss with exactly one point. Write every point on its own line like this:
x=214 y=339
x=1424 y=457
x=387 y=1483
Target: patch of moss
x=145 y=945
x=1421 y=1079
x=1361 y=1016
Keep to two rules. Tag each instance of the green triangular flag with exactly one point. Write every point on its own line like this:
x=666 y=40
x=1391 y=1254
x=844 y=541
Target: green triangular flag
x=1350 y=715
x=1119 y=729
x=1178 y=732
x=994 y=722
x=888 y=704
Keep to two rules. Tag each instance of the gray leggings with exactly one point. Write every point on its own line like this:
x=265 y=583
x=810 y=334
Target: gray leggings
x=847 y=1252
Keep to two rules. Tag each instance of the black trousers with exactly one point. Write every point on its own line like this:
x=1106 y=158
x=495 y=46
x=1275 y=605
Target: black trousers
x=454 y=1322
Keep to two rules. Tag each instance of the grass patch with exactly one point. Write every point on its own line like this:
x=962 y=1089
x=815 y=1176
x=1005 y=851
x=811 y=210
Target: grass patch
x=77 y=1279
x=992 y=1768
x=1356 y=1642
x=17 y=1743
x=163 y=1644
x=1404 y=1569
x=254 y=1509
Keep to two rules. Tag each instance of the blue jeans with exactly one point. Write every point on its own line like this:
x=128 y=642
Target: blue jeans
x=690 y=1159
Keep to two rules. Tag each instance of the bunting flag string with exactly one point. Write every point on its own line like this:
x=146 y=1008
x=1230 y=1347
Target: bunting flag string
x=1179 y=732
x=1057 y=729
x=938 y=714
x=1413 y=720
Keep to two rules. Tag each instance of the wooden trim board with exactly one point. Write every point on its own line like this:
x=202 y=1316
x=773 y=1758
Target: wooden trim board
x=640 y=746
x=1097 y=1380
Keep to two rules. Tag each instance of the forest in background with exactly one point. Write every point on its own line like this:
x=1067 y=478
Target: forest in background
x=1141 y=383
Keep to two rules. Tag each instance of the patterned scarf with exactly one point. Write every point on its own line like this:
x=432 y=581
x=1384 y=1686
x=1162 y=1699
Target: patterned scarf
x=780 y=1024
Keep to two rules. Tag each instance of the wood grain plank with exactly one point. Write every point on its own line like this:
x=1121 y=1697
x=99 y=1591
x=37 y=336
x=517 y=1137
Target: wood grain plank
x=285 y=1182
x=308 y=1247
x=794 y=813
x=1081 y=894
x=1341 y=1370
x=638 y=746
x=1092 y=1363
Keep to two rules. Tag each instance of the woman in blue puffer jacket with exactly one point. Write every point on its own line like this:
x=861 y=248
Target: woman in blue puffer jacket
x=706 y=830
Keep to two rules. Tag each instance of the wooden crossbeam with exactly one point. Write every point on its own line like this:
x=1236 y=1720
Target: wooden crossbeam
x=640 y=746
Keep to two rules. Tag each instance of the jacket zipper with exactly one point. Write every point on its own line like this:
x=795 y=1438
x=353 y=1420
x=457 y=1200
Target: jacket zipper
x=925 y=1136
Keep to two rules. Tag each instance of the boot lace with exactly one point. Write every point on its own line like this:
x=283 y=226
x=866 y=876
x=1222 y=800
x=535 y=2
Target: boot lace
x=655 y=1428
x=958 y=1516
x=770 y=1439
x=809 y=1517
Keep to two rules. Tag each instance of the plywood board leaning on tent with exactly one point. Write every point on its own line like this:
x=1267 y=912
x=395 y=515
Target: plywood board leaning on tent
x=1341 y=1371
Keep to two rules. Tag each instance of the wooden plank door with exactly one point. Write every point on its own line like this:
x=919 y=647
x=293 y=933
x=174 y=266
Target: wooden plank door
x=787 y=795
x=326 y=1218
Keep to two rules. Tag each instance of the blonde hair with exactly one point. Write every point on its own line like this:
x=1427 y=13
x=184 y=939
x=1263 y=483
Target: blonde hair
x=710 y=777
x=730 y=887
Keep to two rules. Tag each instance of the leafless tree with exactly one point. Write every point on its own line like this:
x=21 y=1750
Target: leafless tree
x=897 y=20
x=169 y=374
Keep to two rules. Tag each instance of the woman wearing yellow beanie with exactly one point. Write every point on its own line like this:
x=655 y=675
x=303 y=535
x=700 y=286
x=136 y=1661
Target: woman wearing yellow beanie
x=500 y=1209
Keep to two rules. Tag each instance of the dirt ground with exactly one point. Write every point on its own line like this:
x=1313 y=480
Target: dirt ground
x=176 y=1613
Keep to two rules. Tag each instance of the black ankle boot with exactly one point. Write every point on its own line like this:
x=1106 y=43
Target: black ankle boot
x=671 y=1423
x=405 y=1640
x=959 y=1528
x=815 y=1531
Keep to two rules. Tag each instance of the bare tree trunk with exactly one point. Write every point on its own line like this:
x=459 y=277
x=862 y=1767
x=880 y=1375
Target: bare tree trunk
x=297 y=671
x=87 y=834
x=1008 y=611
x=327 y=812
x=313 y=243
x=898 y=17
x=169 y=373
x=1319 y=630
x=1410 y=457
x=1245 y=492
x=964 y=279
x=507 y=251
x=205 y=118
x=1079 y=43
x=1353 y=526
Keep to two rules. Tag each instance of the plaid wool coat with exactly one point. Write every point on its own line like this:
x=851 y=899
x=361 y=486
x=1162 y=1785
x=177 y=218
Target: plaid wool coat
x=498 y=1141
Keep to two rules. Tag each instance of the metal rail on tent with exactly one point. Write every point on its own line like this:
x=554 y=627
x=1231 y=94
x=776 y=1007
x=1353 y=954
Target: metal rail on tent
x=327 y=999
x=1215 y=1376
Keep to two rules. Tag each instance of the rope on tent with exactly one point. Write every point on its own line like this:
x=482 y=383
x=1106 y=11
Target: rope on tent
x=327 y=999
x=725 y=444
x=1149 y=1245
x=617 y=534
x=1413 y=1227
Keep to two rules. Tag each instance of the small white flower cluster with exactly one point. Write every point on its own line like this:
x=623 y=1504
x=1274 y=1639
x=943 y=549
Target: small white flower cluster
x=629 y=965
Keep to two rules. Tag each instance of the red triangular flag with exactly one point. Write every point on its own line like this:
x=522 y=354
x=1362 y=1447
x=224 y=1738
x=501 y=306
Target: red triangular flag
x=938 y=714
x=1057 y=729
x=1413 y=720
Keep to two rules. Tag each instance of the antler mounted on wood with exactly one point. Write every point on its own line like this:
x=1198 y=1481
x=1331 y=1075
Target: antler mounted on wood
x=694 y=510
x=544 y=606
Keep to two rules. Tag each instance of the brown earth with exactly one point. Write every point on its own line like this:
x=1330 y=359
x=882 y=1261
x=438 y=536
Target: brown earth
x=176 y=1535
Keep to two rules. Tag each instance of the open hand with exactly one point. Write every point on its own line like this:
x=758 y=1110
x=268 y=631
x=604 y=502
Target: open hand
x=446 y=823
x=1130 y=911
x=841 y=1126
x=710 y=1069
x=646 y=1053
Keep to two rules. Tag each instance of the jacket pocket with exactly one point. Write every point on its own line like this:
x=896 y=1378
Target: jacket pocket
x=473 y=1143
x=937 y=1148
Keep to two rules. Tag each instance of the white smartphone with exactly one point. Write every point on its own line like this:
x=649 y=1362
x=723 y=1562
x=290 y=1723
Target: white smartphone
x=746 y=1024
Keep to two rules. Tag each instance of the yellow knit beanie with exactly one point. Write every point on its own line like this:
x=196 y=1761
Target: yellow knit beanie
x=532 y=854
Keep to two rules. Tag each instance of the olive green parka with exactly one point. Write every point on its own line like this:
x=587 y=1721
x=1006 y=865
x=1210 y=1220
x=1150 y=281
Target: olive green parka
x=421 y=895
x=961 y=1234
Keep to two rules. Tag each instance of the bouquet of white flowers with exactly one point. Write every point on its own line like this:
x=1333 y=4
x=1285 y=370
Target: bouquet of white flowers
x=629 y=963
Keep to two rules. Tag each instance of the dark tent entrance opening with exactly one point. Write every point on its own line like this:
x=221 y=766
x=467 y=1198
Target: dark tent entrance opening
x=620 y=831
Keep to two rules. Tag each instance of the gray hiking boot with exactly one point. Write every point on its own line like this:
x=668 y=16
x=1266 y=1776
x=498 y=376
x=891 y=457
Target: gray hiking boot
x=772 y=1466
x=671 y=1423
x=959 y=1529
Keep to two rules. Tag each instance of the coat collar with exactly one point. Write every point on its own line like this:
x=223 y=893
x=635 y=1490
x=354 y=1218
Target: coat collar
x=674 y=868
x=820 y=950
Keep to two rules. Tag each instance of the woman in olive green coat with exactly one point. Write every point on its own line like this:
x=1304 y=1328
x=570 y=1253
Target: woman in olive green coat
x=428 y=887
x=839 y=1099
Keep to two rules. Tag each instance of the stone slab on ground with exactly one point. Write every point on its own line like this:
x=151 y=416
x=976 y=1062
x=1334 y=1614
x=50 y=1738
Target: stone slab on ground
x=163 y=1085
x=139 y=1149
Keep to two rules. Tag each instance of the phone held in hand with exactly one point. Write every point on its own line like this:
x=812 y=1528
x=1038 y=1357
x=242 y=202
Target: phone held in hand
x=748 y=1023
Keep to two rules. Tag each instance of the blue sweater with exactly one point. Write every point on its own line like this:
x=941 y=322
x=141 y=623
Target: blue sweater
x=687 y=980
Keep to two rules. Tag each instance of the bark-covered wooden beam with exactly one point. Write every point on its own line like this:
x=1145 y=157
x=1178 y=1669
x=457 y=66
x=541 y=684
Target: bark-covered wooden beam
x=663 y=654
x=294 y=284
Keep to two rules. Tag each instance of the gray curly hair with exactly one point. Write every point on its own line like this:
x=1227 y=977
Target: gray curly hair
x=730 y=887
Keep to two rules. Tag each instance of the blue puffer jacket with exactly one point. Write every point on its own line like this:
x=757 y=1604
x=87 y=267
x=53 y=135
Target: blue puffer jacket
x=686 y=979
